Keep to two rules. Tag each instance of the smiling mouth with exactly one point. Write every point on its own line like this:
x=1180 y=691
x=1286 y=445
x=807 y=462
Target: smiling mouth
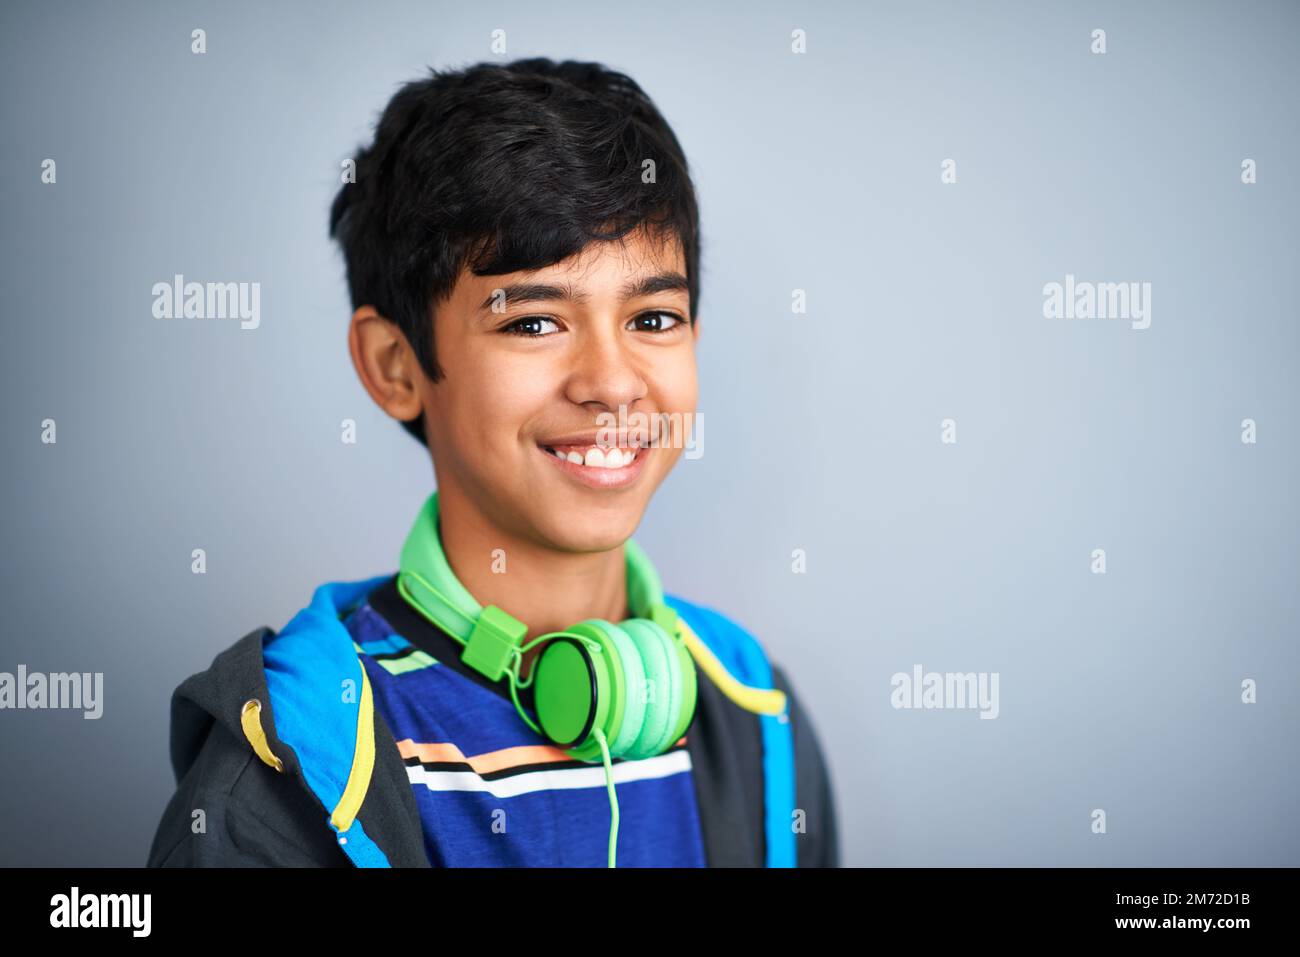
x=594 y=456
x=599 y=466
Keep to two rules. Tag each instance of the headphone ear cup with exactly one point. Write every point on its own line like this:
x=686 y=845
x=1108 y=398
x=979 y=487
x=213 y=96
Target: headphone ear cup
x=665 y=690
x=688 y=700
x=627 y=727
x=571 y=693
x=635 y=705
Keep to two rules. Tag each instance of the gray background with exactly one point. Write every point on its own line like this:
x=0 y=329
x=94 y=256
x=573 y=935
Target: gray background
x=816 y=172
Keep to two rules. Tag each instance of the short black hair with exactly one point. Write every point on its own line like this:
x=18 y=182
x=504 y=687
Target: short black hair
x=499 y=168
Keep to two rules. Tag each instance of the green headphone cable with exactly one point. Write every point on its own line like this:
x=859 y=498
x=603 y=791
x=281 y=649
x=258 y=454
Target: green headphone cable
x=516 y=682
x=613 y=801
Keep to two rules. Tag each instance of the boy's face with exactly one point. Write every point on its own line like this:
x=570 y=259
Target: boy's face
x=531 y=380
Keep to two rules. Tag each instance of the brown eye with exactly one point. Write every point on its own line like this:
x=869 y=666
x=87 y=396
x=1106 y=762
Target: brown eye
x=529 y=327
x=655 y=321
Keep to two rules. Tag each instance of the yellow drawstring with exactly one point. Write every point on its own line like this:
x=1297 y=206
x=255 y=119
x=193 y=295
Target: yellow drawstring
x=250 y=719
x=363 y=757
x=756 y=700
x=363 y=761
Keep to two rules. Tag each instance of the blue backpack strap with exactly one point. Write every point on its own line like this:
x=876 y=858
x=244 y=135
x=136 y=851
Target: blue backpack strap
x=307 y=665
x=743 y=656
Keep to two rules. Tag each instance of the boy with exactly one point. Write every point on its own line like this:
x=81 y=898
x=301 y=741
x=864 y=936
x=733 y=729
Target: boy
x=523 y=258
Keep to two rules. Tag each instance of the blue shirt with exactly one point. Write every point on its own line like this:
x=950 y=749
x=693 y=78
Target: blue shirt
x=489 y=789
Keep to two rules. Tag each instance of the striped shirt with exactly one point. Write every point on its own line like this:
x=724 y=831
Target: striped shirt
x=489 y=789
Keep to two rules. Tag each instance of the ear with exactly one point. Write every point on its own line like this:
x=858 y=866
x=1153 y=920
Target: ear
x=695 y=330
x=385 y=363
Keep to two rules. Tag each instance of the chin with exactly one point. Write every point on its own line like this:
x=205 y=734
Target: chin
x=575 y=528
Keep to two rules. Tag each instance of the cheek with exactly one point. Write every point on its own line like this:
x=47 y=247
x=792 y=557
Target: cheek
x=487 y=394
x=676 y=392
x=499 y=401
x=677 y=385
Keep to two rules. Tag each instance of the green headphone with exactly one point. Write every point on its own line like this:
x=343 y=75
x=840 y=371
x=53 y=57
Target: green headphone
x=600 y=690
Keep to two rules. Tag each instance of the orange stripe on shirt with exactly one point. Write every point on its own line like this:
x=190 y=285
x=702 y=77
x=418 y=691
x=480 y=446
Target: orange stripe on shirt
x=500 y=760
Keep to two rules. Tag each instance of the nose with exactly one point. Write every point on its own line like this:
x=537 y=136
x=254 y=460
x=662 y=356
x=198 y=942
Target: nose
x=605 y=371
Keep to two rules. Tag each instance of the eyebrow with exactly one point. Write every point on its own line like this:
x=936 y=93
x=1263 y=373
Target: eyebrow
x=545 y=292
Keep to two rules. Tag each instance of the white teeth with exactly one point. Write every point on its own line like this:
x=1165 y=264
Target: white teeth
x=595 y=457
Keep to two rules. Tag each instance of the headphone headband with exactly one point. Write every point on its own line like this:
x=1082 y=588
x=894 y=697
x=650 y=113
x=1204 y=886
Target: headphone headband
x=428 y=578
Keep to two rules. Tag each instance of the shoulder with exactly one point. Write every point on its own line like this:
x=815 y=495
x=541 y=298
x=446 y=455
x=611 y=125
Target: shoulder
x=229 y=807
x=231 y=810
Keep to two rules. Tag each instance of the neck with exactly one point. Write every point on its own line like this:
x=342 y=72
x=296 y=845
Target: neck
x=546 y=589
